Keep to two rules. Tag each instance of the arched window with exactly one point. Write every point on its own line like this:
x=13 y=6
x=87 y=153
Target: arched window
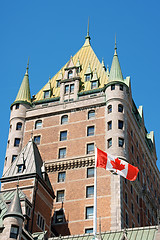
x=109 y=108
x=70 y=74
x=19 y=126
x=120 y=108
x=64 y=119
x=38 y=124
x=91 y=114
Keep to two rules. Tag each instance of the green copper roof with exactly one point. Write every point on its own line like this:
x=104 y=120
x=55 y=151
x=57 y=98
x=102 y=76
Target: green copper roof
x=24 y=91
x=115 y=72
x=14 y=207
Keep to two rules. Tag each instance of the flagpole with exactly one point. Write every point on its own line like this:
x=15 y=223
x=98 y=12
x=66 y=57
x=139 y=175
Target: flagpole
x=95 y=197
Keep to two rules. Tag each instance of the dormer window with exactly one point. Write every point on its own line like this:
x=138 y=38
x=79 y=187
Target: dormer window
x=70 y=74
x=58 y=83
x=87 y=77
x=47 y=94
x=14 y=232
x=20 y=168
x=94 y=84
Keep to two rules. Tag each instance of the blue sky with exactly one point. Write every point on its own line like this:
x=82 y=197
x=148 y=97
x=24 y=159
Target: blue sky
x=49 y=32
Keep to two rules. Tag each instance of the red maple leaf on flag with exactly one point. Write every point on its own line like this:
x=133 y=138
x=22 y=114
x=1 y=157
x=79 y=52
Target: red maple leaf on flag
x=117 y=164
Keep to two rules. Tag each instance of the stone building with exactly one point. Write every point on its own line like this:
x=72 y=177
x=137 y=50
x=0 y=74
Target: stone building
x=83 y=105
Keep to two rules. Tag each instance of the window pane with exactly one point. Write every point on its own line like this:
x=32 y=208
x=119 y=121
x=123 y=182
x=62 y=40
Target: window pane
x=70 y=74
x=63 y=136
x=120 y=108
x=72 y=88
x=90 y=192
x=37 y=139
x=90 y=172
x=121 y=87
x=46 y=94
x=88 y=77
x=109 y=142
x=90 y=148
x=89 y=230
x=16 y=142
x=58 y=83
x=94 y=85
x=20 y=168
x=90 y=131
x=64 y=119
x=66 y=89
x=38 y=124
x=121 y=142
x=17 y=106
x=60 y=196
x=91 y=114
x=13 y=157
x=89 y=212
x=109 y=108
x=19 y=126
x=62 y=153
x=14 y=232
x=113 y=87
x=61 y=176
x=120 y=124
x=109 y=125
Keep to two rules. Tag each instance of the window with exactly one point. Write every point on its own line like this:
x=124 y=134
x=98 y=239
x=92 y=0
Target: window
x=109 y=142
x=20 y=168
x=131 y=133
x=17 y=106
x=58 y=83
x=38 y=124
x=89 y=212
x=137 y=159
x=132 y=149
x=109 y=108
x=127 y=219
x=109 y=125
x=132 y=208
x=47 y=94
x=90 y=131
x=90 y=148
x=131 y=189
x=138 y=177
x=72 y=88
x=112 y=87
x=16 y=142
x=63 y=136
x=10 y=127
x=89 y=230
x=121 y=87
x=89 y=191
x=120 y=124
x=28 y=211
x=137 y=199
x=37 y=139
x=66 y=90
x=137 y=144
x=87 y=77
x=64 y=119
x=90 y=172
x=60 y=196
x=70 y=74
x=19 y=126
x=61 y=176
x=120 y=108
x=8 y=143
x=14 y=232
x=62 y=153
x=120 y=142
x=126 y=198
x=94 y=85
x=138 y=218
x=13 y=157
x=40 y=222
x=59 y=216
x=91 y=114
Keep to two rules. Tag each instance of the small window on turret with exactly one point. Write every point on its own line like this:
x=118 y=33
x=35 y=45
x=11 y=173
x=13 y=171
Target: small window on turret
x=19 y=126
x=121 y=87
x=37 y=139
x=16 y=142
x=17 y=106
x=70 y=74
x=112 y=87
x=38 y=124
x=14 y=231
x=13 y=157
x=20 y=168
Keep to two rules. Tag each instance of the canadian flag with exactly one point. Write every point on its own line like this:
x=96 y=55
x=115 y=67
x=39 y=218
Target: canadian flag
x=121 y=167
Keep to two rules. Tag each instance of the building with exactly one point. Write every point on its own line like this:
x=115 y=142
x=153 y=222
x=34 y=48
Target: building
x=83 y=105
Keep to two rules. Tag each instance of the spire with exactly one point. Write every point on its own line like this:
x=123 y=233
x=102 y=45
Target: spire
x=87 y=42
x=107 y=72
x=103 y=64
x=115 y=71
x=24 y=91
x=15 y=207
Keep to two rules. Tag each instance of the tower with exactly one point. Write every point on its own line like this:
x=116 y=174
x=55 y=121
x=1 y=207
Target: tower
x=17 y=121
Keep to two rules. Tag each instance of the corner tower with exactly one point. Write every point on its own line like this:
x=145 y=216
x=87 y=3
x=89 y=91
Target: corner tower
x=17 y=121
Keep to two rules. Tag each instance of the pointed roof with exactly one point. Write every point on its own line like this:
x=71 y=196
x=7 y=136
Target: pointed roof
x=14 y=207
x=24 y=91
x=115 y=72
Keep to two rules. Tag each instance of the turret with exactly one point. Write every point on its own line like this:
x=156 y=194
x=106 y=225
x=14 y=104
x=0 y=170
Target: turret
x=17 y=121
x=13 y=219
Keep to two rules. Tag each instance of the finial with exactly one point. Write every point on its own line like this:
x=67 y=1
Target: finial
x=115 y=46
x=87 y=42
x=88 y=28
x=27 y=67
